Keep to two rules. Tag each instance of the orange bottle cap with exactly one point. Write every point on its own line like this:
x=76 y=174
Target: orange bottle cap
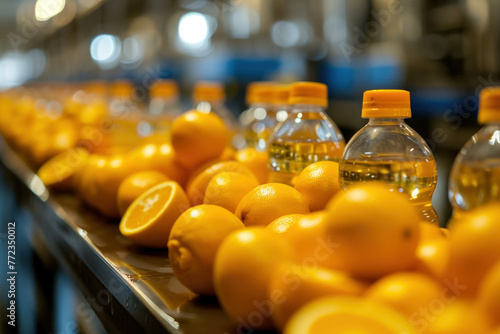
x=386 y=103
x=209 y=91
x=123 y=88
x=259 y=92
x=489 y=105
x=309 y=93
x=164 y=88
x=280 y=95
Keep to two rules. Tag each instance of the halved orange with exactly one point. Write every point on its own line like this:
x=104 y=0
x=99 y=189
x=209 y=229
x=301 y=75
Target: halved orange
x=149 y=219
x=58 y=172
x=342 y=315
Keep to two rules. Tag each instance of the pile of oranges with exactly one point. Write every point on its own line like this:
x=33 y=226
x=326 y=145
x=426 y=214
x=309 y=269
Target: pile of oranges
x=304 y=259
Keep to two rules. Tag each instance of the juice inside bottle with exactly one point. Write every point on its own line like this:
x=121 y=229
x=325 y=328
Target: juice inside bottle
x=388 y=150
x=416 y=178
x=258 y=121
x=307 y=135
x=475 y=175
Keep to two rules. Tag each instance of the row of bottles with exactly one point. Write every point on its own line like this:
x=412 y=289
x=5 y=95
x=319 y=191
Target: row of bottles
x=298 y=133
x=288 y=122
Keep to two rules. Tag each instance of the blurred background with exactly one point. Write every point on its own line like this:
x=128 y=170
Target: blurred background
x=442 y=51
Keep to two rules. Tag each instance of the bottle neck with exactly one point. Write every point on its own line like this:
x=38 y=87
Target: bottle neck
x=385 y=121
x=297 y=108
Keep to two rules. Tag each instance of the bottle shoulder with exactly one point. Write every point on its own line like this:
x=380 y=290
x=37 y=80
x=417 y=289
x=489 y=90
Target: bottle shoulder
x=308 y=126
x=485 y=144
x=397 y=139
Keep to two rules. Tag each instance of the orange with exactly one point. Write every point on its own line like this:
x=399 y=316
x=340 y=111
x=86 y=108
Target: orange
x=488 y=297
x=198 y=137
x=243 y=267
x=309 y=238
x=256 y=161
x=377 y=230
x=318 y=183
x=160 y=158
x=268 y=202
x=474 y=246
x=149 y=219
x=432 y=257
x=194 y=241
x=457 y=317
x=345 y=315
x=196 y=187
x=58 y=172
x=283 y=223
x=292 y=286
x=227 y=154
x=105 y=182
x=136 y=184
x=84 y=178
x=406 y=292
x=226 y=189
x=429 y=231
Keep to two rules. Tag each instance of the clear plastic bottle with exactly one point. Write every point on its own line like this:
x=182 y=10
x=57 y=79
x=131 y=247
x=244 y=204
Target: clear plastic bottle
x=475 y=175
x=307 y=134
x=125 y=114
x=257 y=122
x=209 y=96
x=388 y=150
x=164 y=107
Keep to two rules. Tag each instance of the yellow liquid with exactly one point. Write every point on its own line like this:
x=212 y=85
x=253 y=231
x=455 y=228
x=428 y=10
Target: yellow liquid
x=475 y=184
x=417 y=179
x=289 y=158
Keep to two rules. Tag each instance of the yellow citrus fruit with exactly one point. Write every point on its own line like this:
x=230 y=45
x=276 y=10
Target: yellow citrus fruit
x=406 y=292
x=196 y=187
x=429 y=231
x=256 y=161
x=84 y=179
x=456 y=317
x=268 y=202
x=445 y=231
x=198 y=137
x=377 y=230
x=243 y=267
x=432 y=257
x=226 y=189
x=489 y=295
x=227 y=154
x=292 y=286
x=309 y=238
x=149 y=219
x=474 y=246
x=283 y=223
x=160 y=158
x=136 y=184
x=58 y=172
x=343 y=315
x=318 y=183
x=194 y=241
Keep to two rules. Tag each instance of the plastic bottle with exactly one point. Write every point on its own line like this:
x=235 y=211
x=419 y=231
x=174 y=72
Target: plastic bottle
x=307 y=134
x=388 y=150
x=124 y=114
x=475 y=175
x=209 y=96
x=163 y=108
x=258 y=121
